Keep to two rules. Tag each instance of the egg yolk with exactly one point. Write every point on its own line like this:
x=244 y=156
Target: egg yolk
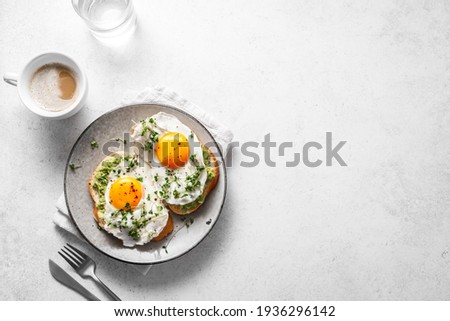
x=172 y=150
x=125 y=193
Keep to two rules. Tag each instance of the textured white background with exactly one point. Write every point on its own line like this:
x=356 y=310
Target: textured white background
x=375 y=73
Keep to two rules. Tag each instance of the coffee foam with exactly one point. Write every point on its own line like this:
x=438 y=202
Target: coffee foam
x=45 y=88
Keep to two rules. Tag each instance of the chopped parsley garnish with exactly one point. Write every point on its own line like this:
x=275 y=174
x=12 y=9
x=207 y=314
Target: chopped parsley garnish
x=148 y=146
x=147 y=130
x=154 y=136
x=132 y=162
x=94 y=144
x=192 y=181
x=134 y=234
x=73 y=166
x=140 y=179
x=189 y=222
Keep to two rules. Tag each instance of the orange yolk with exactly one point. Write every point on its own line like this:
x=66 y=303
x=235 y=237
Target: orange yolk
x=125 y=193
x=172 y=150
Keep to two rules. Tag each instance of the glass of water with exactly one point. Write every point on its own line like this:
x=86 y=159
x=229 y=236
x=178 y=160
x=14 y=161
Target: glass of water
x=109 y=20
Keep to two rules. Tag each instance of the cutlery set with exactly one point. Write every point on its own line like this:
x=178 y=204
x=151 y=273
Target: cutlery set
x=84 y=266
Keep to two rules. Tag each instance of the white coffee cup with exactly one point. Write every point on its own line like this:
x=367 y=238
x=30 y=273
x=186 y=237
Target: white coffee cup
x=23 y=80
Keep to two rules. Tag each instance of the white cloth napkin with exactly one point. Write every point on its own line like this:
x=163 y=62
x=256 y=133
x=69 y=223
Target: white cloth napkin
x=161 y=95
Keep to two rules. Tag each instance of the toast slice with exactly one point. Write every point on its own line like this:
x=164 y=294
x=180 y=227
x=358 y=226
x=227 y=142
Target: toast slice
x=212 y=167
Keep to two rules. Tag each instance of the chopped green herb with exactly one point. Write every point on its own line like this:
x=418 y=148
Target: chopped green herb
x=148 y=146
x=140 y=179
x=73 y=166
x=134 y=234
x=154 y=136
x=94 y=144
x=189 y=222
x=132 y=162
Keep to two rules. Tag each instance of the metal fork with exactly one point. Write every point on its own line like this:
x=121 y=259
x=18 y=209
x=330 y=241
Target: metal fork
x=84 y=266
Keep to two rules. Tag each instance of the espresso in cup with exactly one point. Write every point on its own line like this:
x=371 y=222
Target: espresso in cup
x=53 y=87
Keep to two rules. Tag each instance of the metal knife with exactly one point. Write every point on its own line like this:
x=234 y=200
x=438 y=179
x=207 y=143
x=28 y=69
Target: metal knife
x=63 y=277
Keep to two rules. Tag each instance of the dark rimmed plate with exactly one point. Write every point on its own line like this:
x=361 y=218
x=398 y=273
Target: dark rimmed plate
x=107 y=128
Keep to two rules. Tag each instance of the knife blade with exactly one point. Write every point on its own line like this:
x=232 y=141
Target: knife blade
x=63 y=277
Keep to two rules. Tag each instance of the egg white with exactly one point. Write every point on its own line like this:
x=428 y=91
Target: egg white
x=172 y=185
x=149 y=208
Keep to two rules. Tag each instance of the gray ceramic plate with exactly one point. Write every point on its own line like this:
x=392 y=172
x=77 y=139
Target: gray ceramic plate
x=105 y=130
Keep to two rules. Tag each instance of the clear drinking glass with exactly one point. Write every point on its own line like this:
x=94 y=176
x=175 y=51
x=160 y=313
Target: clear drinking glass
x=108 y=20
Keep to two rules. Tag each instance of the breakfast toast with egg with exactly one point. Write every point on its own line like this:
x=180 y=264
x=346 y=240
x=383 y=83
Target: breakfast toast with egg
x=94 y=189
x=162 y=135
x=212 y=166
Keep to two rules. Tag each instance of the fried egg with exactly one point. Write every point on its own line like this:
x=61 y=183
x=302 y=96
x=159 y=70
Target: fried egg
x=132 y=213
x=176 y=157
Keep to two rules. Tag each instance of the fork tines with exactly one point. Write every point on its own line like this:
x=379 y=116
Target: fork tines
x=73 y=256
